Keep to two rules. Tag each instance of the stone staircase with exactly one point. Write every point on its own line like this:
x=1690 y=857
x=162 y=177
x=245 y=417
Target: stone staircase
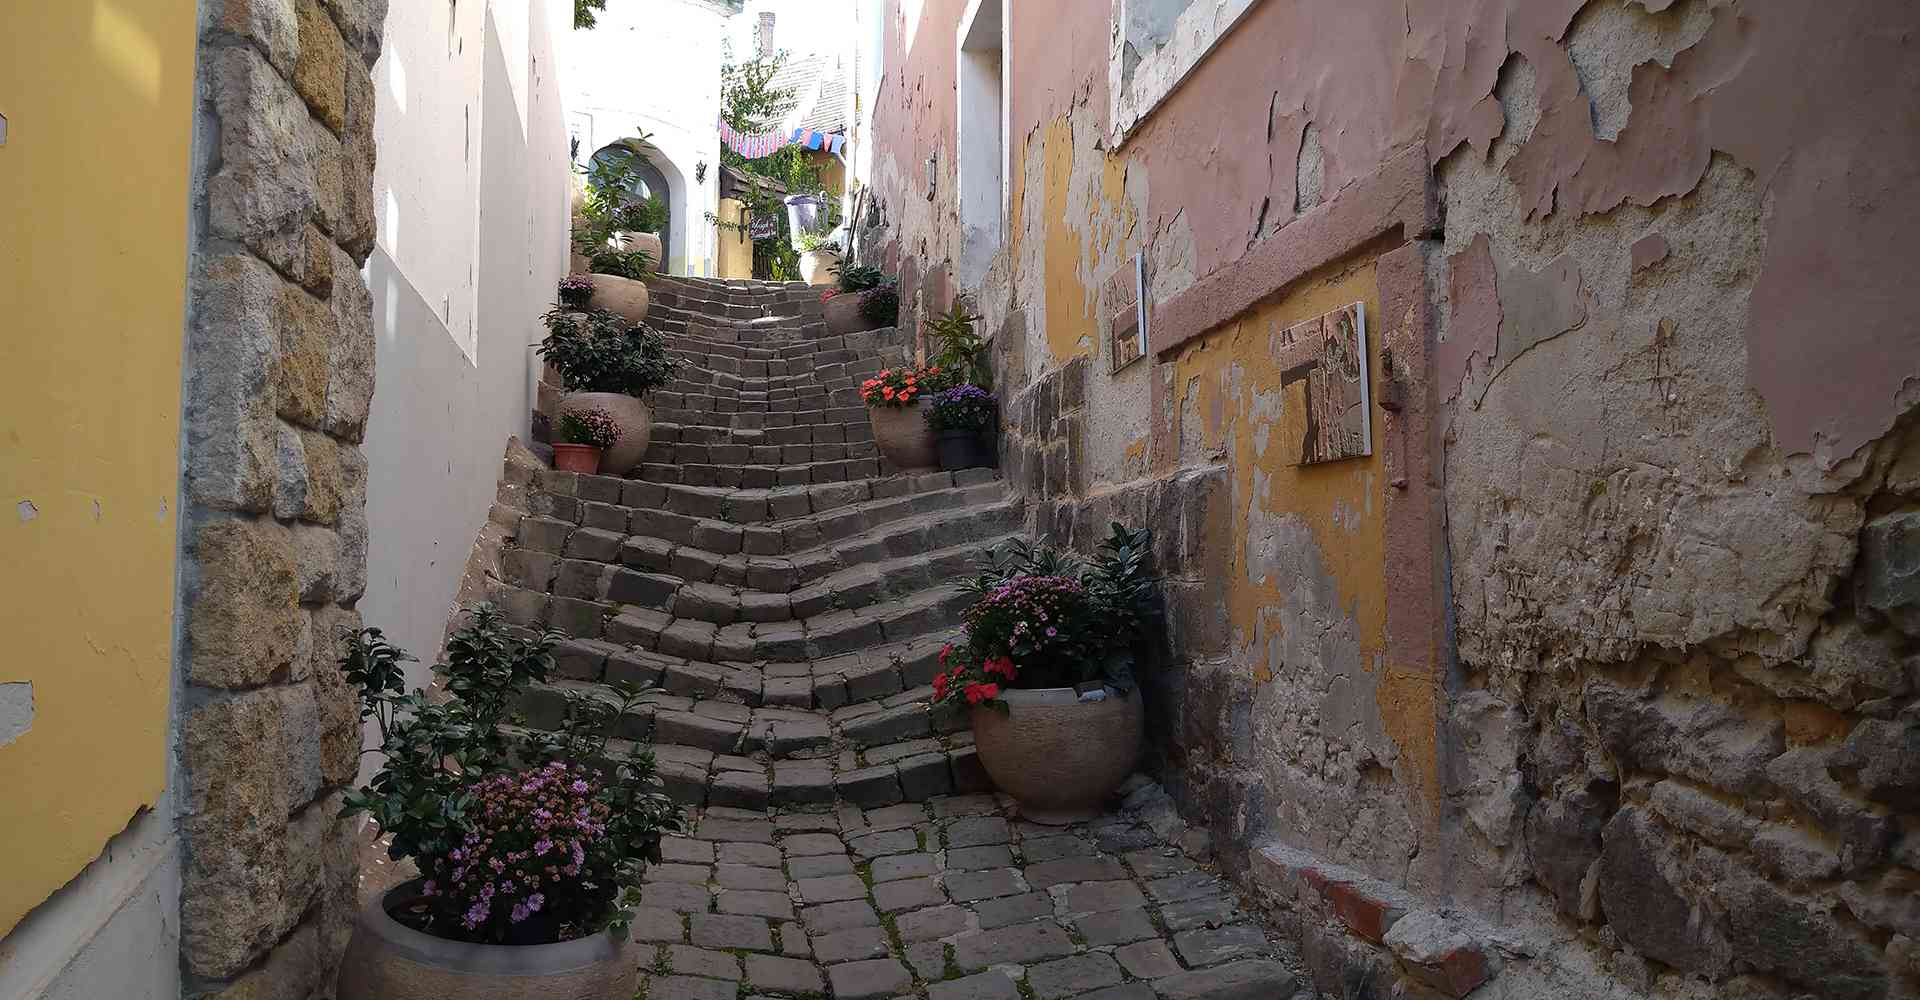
x=787 y=592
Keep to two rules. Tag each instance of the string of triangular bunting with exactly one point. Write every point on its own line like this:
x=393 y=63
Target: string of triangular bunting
x=755 y=146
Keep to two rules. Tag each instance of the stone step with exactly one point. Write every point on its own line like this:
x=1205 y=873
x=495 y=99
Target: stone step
x=713 y=752
x=723 y=416
x=808 y=434
x=778 y=531
x=662 y=452
x=854 y=587
x=763 y=476
x=841 y=394
x=833 y=633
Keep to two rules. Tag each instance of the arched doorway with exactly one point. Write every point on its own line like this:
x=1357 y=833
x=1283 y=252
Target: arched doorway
x=645 y=181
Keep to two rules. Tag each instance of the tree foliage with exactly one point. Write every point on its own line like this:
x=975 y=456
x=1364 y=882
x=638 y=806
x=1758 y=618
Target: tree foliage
x=585 y=12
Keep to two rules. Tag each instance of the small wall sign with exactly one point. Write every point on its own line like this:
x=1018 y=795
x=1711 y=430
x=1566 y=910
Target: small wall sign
x=1126 y=300
x=1329 y=354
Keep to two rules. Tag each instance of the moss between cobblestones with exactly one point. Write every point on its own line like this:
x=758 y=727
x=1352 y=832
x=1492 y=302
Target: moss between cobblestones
x=865 y=870
x=1025 y=988
x=662 y=960
x=952 y=970
x=888 y=924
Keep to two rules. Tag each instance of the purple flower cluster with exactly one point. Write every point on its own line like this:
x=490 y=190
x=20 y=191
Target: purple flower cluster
x=576 y=290
x=1036 y=621
x=534 y=834
x=964 y=407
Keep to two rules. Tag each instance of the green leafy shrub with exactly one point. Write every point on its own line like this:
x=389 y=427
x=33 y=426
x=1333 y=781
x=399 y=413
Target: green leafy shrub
x=857 y=277
x=1044 y=617
x=958 y=348
x=450 y=792
x=602 y=352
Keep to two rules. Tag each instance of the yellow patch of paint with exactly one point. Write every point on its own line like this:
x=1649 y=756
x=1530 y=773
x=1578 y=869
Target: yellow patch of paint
x=1070 y=327
x=90 y=398
x=1230 y=383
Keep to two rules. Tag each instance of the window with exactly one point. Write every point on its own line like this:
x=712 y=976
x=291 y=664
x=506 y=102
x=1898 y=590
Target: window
x=981 y=65
x=1156 y=46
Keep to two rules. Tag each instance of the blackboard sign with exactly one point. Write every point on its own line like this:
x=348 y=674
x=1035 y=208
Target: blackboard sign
x=763 y=227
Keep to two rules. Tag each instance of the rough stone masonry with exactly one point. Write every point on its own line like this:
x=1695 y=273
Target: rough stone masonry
x=279 y=378
x=1597 y=678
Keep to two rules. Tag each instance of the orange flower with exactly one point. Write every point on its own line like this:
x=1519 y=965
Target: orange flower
x=887 y=392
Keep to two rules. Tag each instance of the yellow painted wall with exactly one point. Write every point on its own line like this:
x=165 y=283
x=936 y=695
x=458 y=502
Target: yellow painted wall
x=736 y=251
x=98 y=96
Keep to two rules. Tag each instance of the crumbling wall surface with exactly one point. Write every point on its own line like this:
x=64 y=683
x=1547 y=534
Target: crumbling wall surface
x=279 y=377
x=1598 y=677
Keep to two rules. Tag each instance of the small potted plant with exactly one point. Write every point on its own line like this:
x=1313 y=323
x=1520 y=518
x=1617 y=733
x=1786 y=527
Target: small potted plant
x=581 y=438
x=962 y=422
x=847 y=301
x=606 y=362
x=1046 y=667
x=576 y=291
x=530 y=848
x=818 y=255
x=899 y=431
x=880 y=306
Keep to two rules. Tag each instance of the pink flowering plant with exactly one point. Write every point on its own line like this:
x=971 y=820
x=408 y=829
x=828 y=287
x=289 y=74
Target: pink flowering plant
x=1046 y=618
x=595 y=427
x=522 y=837
x=576 y=291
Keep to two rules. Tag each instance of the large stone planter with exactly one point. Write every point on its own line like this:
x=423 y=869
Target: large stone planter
x=1060 y=757
x=843 y=314
x=816 y=267
x=388 y=960
x=904 y=440
x=625 y=296
x=635 y=418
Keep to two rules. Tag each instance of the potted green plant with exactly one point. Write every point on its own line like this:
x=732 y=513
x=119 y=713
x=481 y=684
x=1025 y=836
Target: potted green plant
x=958 y=348
x=608 y=363
x=581 y=437
x=818 y=254
x=576 y=291
x=962 y=420
x=893 y=404
x=846 y=302
x=530 y=847
x=1046 y=667
x=880 y=306
x=615 y=234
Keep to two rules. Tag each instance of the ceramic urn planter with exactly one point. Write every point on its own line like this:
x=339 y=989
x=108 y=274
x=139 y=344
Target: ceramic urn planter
x=625 y=296
x=816 y=267
x=636 y=426
x=388 y=960
x=1060 y=757
x=904 y=440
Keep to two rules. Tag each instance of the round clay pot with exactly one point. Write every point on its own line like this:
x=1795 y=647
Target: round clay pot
x=843 y=314
x=388 y=960
x=1060 y=757
x=576 y=458
x=815 y=267
x=625 y=296
x=650 y=242
x=904 y=440
x=636 y=426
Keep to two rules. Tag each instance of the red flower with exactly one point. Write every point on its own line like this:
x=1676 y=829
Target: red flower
x=945 y=651
x=977 y=693
x=940 y=685
x=1001 y=665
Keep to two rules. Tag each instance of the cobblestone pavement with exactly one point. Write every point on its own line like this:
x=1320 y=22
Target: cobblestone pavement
x=954 y=898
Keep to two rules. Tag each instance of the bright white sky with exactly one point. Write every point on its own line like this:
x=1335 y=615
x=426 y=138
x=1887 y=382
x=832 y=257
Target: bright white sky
x=802 y=27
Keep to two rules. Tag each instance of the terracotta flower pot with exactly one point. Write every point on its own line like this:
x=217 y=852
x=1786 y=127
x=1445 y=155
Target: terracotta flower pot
x=636 y=426
x=904 y=440
x=388 y=960
x=625 y=296
x=1060 y=757
x=576 y=457
x=843 y=314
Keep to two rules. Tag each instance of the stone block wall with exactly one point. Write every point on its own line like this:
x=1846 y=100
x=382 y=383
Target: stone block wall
x=279 y=378
x=1597 y=677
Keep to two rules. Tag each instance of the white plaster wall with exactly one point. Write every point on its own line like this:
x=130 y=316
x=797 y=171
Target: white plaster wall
x=473 y=182
x=114 y=931
x=655 y=66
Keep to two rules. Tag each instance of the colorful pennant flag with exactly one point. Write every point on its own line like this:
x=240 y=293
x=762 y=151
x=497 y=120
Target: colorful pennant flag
x=755 y=146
